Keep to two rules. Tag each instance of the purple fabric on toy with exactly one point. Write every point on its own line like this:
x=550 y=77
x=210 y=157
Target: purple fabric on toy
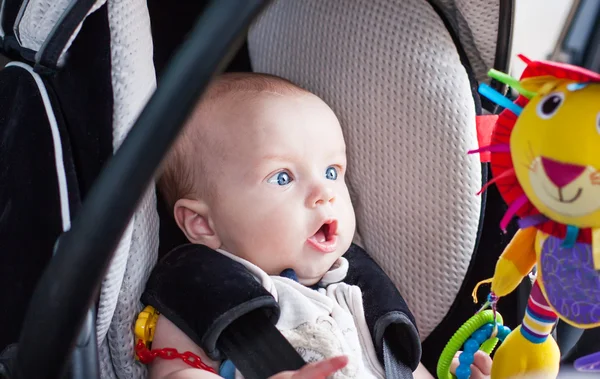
x=534 y=220
x=571 y=283
x=588 y=363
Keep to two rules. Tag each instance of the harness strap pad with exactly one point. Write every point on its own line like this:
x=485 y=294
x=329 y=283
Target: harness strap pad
x=203 y=292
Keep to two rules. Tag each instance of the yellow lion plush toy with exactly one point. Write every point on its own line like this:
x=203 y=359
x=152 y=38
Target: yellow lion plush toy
x=545 y=158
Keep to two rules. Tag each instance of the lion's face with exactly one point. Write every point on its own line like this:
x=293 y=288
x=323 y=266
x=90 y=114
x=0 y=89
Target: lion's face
x=555 y=148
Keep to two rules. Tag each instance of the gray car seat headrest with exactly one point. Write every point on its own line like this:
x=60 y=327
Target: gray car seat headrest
x=391 y=72
x=133 y=81
x=477 y=26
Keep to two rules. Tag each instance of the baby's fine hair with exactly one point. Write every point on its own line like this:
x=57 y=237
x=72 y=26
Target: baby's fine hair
x=184 y=168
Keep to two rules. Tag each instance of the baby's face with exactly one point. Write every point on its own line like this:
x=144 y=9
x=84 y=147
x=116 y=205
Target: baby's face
x=282 y=201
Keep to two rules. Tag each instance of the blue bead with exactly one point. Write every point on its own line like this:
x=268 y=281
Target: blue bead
x=466 y=358
x=463 y=372
x=471 y=346
x=503 y=331
x=487 y=328
x=480 y=336
x=227 y=370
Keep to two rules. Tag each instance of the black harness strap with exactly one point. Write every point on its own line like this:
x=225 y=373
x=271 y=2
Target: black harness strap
x=394 y=368
x=256 y=348
x=49 y=54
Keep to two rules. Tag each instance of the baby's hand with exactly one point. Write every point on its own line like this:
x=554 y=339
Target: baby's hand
x=318 y=370
x=481 y=367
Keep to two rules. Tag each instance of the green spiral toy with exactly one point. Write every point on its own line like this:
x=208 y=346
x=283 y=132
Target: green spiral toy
x=480 y=332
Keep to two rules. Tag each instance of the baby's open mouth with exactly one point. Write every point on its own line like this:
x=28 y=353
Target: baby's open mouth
x=325 y=238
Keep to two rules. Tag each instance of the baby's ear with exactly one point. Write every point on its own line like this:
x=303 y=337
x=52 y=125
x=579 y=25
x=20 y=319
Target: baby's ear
x=192 y=217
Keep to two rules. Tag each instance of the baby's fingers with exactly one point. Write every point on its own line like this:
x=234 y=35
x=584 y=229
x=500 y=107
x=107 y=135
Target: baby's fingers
x=477 y=374
x=483 y=362
x=481 y=367
x=321 y=370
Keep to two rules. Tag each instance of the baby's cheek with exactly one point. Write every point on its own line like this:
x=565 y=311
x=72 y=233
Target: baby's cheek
x=349 y=218
x=276 y=239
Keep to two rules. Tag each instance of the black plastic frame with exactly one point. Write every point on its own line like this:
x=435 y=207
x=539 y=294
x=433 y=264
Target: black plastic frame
x=70 y=283
x=505 y=34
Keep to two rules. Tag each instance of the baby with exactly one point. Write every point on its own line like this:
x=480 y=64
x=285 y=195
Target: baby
x=258 y=175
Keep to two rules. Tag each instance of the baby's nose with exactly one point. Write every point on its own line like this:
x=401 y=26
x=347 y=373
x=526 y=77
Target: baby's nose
x=321 y=194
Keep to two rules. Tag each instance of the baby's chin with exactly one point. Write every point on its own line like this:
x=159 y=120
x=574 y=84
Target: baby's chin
x=309 y=276
x=309 y=281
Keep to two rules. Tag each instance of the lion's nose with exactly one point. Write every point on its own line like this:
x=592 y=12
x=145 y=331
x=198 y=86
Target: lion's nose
x=561 y=173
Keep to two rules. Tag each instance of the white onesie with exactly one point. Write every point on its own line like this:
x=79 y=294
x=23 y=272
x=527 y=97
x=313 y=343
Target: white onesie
x=323 y=323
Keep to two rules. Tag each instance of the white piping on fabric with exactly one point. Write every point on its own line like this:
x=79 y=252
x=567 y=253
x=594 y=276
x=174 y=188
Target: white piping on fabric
x=61 y=175
x=2 y=18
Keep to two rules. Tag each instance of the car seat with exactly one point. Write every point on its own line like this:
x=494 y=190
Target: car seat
x=401 y=76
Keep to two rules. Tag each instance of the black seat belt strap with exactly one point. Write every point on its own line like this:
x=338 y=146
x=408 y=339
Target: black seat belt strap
x=394 y=369
x=256 y=348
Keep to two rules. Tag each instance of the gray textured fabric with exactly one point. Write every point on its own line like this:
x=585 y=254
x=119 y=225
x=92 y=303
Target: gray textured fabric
x=392 y=74
x=142 y=257
x=476 y=23
x=133 y=81
x=37 y=18
x=394 y=369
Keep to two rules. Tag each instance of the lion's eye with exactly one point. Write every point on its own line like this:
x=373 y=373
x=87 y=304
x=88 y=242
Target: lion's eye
x=548 y=106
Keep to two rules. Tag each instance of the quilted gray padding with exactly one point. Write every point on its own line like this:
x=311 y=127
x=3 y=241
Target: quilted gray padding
x=37 y=19
x=392 y=74
x=476 y=23
x=133 y=81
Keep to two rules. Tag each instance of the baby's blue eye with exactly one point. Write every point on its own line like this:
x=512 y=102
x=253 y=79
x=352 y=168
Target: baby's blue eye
x=331 y=173
x=281 y=179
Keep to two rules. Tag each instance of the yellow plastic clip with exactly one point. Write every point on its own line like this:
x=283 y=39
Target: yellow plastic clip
x=145 y=325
